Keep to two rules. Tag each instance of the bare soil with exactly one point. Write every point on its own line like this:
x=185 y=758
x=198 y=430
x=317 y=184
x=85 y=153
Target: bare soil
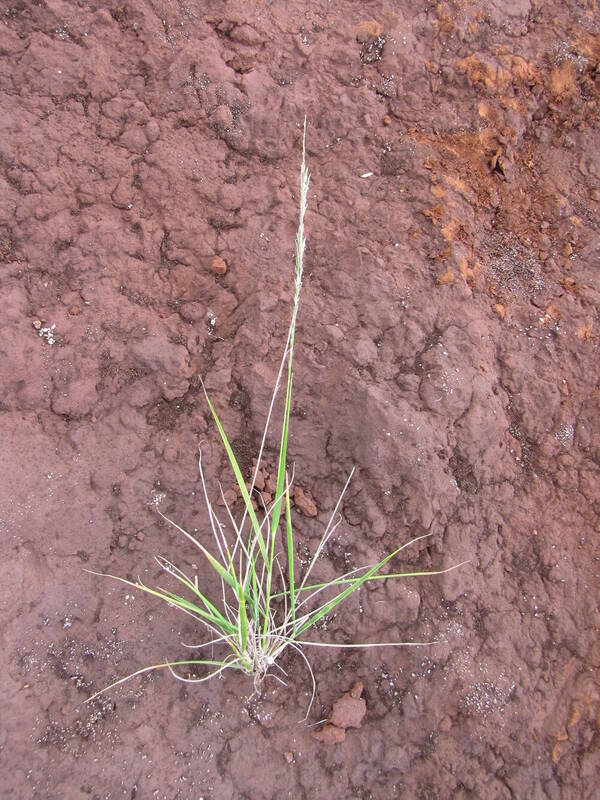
x=447 y=347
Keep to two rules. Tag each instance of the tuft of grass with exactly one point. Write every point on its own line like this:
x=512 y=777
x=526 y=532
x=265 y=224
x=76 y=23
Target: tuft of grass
x=264 y=606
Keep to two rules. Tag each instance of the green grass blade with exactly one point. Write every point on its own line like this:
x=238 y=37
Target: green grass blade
x=255 y=593
x=178 y=574
x=239 y=479
x=327 y=607
x=243 y=621
x=217 y=620
x=281 y=468
x=281 y=465
x=228 y=576
x=387 y=576
x=290 y=555
x=222 y=572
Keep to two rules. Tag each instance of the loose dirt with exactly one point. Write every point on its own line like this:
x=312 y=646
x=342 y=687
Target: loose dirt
x=447 y=346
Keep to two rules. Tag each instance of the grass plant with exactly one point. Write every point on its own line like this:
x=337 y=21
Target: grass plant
x=264 y=606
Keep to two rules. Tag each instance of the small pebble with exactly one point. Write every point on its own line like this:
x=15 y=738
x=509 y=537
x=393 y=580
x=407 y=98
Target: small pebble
x=218 y=266
x=266 y=499
x=367 y=30
x=500 y=310
x=305 y=503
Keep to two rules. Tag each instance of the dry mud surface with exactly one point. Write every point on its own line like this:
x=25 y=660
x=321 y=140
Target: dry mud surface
x=447 y=347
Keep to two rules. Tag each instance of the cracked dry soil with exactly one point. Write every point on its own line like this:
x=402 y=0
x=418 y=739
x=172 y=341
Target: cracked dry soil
x=447 y=346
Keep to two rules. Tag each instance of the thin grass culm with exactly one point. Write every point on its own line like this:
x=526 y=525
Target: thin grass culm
x=264 y=606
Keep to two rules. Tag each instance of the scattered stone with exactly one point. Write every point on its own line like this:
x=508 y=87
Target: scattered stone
x=152 y=130
x=74 y=311
x=365 y=352
x=229 y=496
x=500 y=310
x=218 y=266
x=445 y=278
x=37 y=324
x=347 y=712
x=305 y=503
x=140 y=536
x=265 y=499
x=329 y=734
x=585 y=332
x=246 y=34
x=356 y=690
x=387 y=120
x=367 y=30
x=289 y=757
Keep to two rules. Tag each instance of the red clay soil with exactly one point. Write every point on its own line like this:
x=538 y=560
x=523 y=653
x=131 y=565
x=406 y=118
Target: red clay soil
x=447 y=346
